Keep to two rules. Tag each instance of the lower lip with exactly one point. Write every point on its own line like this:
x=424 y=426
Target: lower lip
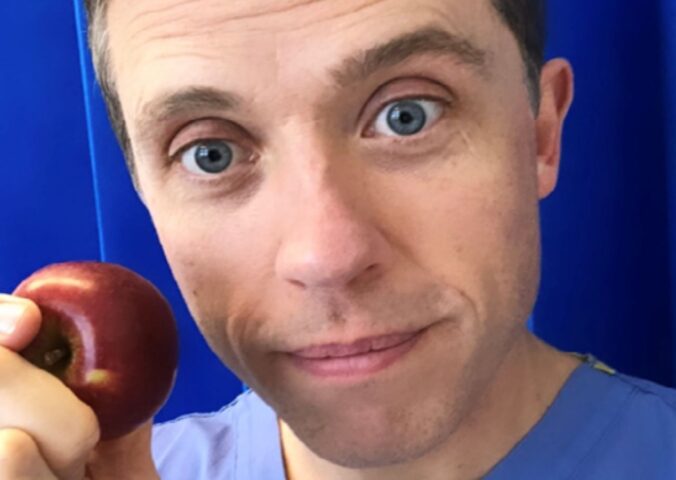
x=355 y=365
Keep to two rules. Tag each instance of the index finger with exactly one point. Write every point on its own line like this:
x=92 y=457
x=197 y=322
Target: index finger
x=20 y=321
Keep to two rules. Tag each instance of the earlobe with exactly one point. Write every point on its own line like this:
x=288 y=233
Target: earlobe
x=556 y=86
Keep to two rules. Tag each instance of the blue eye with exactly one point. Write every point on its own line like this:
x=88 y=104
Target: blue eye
x=208 y=157
x=407 y=117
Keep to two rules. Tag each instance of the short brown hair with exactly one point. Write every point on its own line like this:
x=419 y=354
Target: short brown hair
x=525 y=18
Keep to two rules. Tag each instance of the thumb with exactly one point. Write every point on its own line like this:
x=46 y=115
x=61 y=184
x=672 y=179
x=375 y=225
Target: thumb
x=127 y=457
x=20 y=321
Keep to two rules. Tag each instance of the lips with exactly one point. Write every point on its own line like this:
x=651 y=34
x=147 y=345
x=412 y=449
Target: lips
x=359 y=347
x=355 y=361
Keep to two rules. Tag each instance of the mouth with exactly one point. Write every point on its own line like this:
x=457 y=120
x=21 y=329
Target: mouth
x=361 y=358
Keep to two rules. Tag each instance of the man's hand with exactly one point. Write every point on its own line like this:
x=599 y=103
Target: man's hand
x=46 y=432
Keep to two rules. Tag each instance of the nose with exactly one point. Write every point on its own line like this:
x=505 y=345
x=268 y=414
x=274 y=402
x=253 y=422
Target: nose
x=331 y=242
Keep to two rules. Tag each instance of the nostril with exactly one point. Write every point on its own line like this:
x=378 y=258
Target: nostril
x=370 y=270
x=296 y=283
x=367 y=275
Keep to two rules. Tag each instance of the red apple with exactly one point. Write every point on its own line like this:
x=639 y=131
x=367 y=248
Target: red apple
x=109 y=335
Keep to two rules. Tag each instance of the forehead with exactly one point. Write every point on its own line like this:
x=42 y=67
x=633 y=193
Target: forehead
x=247 y=44
x=278 y=15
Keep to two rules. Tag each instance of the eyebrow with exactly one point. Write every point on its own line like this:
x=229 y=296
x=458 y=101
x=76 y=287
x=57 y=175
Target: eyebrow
x=356 y=68
x=169 y=105
x=426 y=40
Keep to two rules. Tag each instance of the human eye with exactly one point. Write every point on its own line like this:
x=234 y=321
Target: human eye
x=210 y=157
x=407 y=117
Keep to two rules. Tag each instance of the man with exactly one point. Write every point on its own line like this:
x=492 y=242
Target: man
x=347 y=193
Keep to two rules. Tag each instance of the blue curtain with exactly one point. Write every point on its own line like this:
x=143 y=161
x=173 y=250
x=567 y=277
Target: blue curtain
x=608 y=229
x=668 y=31
x=606 y=275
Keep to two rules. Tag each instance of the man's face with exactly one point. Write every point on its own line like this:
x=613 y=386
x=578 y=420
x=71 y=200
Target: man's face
x=321 y=172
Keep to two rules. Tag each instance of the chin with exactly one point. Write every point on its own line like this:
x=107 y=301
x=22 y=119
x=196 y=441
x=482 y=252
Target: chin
x=389 y=448
x=375 y=436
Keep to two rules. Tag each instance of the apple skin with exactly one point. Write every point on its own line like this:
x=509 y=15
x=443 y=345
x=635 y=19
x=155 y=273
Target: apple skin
x=109 y=335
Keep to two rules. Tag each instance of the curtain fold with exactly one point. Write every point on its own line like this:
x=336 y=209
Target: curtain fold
x=669 y=62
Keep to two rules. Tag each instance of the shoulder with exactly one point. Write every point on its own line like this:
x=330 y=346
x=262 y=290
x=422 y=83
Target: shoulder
x=647 y=390
x=650 y=407
x=200 y=445
x=639 y=441
x=650 y=410
x=640 y=393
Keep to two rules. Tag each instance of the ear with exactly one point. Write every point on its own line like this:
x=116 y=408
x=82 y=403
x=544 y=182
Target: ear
x=556 y=95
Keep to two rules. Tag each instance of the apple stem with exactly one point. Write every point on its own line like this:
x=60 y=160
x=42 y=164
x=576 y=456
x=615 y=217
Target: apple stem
x=55 y=356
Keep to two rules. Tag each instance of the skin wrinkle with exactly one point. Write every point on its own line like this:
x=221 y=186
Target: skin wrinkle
x=143 y=29
x=467 y=141
x=226 y=19
x=352 y=70
x=338 y=316
x=332 y=246
x=305 y=324
x=100 y=41
x=150 y=37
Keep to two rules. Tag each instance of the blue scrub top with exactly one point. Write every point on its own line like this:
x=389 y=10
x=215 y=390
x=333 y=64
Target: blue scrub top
x=602 y=425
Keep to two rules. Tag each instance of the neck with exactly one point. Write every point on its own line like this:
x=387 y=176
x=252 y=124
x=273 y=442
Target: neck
x=525 y=385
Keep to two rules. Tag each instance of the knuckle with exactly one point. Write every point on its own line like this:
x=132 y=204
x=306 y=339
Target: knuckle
x=71 y=440
x=41 y=420
x=73 y=447
x=89 y=428
x=83 y=433
x=16 y=446
x=62 y=438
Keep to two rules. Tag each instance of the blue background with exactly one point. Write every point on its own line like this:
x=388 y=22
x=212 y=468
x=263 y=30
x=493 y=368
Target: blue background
x=607 y=230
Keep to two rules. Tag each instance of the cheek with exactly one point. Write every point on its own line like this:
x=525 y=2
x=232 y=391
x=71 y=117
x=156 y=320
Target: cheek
x=195 y=256
x=499 y=237
x=475 y=227
x=219 y=279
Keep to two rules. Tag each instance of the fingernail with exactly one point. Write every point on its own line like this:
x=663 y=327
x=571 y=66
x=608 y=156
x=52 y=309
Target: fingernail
x=10 y=313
